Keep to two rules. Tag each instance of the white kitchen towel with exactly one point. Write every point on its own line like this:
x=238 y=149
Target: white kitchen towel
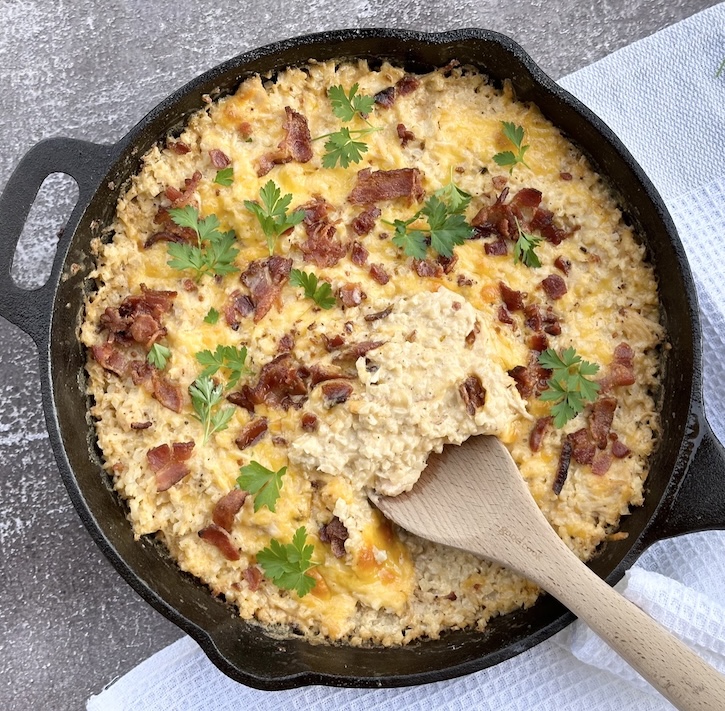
x=662 y=97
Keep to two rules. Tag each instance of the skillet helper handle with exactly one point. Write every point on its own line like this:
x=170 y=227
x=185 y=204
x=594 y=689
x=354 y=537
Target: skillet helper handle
x=86 y=163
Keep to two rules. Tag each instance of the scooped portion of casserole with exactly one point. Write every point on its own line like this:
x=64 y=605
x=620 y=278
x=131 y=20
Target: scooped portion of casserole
x=326 y=277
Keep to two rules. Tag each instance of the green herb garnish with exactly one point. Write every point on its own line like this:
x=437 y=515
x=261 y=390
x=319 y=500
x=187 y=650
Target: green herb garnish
x=205 y=398
x=212 y=317
x=214 y=252
x=319 y=291
x=345 y=106
x=524 y=248
x=508 y=159
x=568 y=386
x=285 y=565
x=158 y=355
x=225 y=176
x=262 y=482
x=229 y=357
x=272 y=213
x=457 y=200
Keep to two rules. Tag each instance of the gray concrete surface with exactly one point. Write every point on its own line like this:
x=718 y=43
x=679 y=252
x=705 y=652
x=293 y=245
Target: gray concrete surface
x=91 y=69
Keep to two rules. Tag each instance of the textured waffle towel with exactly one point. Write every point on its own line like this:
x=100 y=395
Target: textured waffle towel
x=662 y=98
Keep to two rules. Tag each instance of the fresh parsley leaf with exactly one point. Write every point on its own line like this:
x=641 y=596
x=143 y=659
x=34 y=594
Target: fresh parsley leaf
x=262 y=482
x=569 y=387
x=342 y=147
x=205 y=398
x=212 y=317
x=456 y=199
x=285 y=565
x=214 y=252
x=272 y=213
x=345 y=106
x=524 y=248
x=413 y=242
x=158 y=355
x=225 y=176
x=509 y=159
x=229 y=357
x=319 y=292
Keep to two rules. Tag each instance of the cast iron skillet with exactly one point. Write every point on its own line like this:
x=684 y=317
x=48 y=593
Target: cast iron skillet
x=686 y=486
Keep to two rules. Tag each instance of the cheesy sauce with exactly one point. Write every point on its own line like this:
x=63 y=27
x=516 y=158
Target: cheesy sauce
x=384 y=586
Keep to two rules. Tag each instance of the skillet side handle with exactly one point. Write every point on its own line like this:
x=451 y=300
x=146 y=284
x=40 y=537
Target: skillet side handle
x=699 y=504
x=86 y=163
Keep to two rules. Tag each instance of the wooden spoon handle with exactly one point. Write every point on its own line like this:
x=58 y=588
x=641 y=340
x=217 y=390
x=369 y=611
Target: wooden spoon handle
x=677 y=672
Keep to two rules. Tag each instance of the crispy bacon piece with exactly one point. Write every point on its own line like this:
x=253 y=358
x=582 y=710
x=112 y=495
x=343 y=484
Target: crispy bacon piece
x=602 y=462
x=504 y=316
x=167 y=236
x=499 y=248
x=358 y=254
x=322 y=373
x=565 y=176
x=141 y=425
x=537 y=433
x=170 y=231
x=146 y=329
x=253 y=576
x=167 y=392
x=538 y=342
x=309 y=422
x=295 y=146
x=582 y=447
x=386 y=97
x=169 y=463
x=109 y=357
x=219 y=159
x=179 y=198
x=138 y=317
x=280 y=384
x=407 y=84
x=562 y=469
x=372 y=187
x=447 y=263
x=227 y=508
x=265 y=278
x=600 y=421
x=336 y=392
x=543 y=221
x=178 y=147
x=351 y=295
x=404 y=135
x=554 y=286
x=472 y=393
x=335 y=533
x=562 y=264
x=350 y=353
x=379 y=314
x=365 y=221
x=513 y=299
x=530 y=380
x=621 y=369
x=286 y=343
x=332 y=343
x=427 y=268
x=220 y=538
x=619 y=449
x=377 y=272
x=499 y=182
x=463 y=280
x=320 y=247
x=500 y=218
x=547 y=321
x=236 y=307
x=251 y=433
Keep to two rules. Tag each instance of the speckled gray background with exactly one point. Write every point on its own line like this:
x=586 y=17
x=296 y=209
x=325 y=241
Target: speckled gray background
x=91 y=69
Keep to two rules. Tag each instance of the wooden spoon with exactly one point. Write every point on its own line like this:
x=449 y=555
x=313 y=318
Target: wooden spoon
x=473 y=497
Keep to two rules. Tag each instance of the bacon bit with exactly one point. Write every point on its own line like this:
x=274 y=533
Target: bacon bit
x=499 y=182
x=562 y=264
x=532 y=317
x=472 y=393
x=227 y=508
x=377 y=272
x=168 y=463
x=219 y=159
x=135 y=308
x=583 y=449
x=504 y=316
x=335 y=533
x=220 y=538
x=538 y=342
x=251 y=433
x=237 y=307
x=245 y=129
x=241 y=398
x=448 y=263
x=562 y=469
x=513 y=299
x=295 y=146
x=471 y=337
x=463 y=280
x=179 y=198
x=565 y=176
x=365 y=221
x=383 y=314
x=171 y=232
x=280 y=384
x=386 y=97
x=166 y=392
x=189 y=285
x=279 y=441
x=253 y=576
x=309 y=422
x=146 y=330
x=404 y=135
x=621 y=369
x=332 y=344
x=178 y=147
x=166 y=236
x=530 y=380
x=358 y=254
x=321 y=373
x=320 y=248
x=351 y=295
x=265 y=278
x=141 y=425
x=543 y=220
x=427 y=268
x=350 y=353
x=602 y=462
x=336 y=392
x=600 y=421
x=372 y=187
x=407 y=84
x=110 y=358
x=554 y=286
x=499 y=248
x=286 y=343
x=537 y=433
x=619 y=449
